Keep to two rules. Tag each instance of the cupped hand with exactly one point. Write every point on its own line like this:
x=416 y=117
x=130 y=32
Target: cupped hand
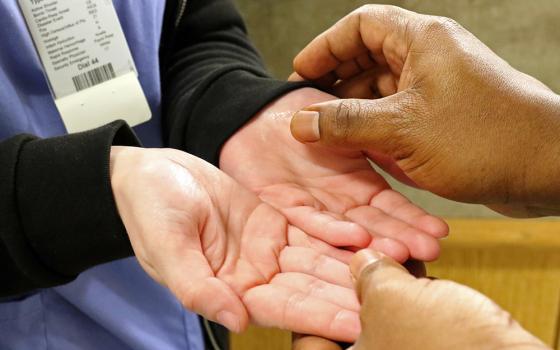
x=400 y=311
x=223 y=252
x=332 y=194
x=436 y=108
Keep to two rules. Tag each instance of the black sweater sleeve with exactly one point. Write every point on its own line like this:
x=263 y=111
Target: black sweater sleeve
x=214 y=80
x=57 y=212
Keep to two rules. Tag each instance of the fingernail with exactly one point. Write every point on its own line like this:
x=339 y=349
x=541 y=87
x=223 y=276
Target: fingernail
x=305 y=126
x=229 y=320
x=363 y=259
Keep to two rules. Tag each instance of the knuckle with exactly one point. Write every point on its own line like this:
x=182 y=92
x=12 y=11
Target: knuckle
x=379 y=10
x=340 y=123
x=401 y=122
x=440 y=26
x=391 y=10
x=364 y=9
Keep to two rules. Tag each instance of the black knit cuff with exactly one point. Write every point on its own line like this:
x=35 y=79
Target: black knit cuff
x=212 y=120
x=67 y=210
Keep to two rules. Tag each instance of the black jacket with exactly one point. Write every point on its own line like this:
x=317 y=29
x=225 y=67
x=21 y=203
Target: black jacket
x=57 y=212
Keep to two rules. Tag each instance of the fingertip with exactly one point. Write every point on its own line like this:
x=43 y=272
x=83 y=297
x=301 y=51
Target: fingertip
x=234 y=317
x=348 y=234
x=215 y=300
x=426 y=249
x=362 y=259
x=306 y=65
x=392 y=248
x=229 y=320
x=433 y=225
x=361 y=238
x=347 y=326
x=297 y=64
x=295 y=77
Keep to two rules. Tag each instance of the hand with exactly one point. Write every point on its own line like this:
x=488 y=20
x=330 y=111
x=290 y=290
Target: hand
x=310 y=342
x=453 y=118
x=333 y=195
x=223 y=252
x=400 y=311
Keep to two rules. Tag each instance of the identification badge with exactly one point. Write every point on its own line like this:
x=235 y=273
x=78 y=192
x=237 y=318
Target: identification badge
x=87 y=62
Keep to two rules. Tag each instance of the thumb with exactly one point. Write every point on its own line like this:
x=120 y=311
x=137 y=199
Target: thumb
x=191 y=279
x=371 y=268
x=356 y=123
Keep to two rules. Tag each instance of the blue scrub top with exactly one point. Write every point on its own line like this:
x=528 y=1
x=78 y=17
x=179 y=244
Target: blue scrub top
x=112 y=306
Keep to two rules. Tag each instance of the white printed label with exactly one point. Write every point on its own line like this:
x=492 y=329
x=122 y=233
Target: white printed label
x=82 y=47
x=81 y=43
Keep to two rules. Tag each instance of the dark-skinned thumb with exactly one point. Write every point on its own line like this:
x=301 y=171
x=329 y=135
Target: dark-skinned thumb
x=373 y=269
x=355 y=123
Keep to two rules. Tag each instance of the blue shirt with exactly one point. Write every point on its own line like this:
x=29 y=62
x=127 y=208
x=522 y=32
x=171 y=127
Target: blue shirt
x=112 y=306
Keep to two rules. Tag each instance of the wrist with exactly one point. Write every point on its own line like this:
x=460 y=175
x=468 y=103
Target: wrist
x=542 y=169
x=271 y=125
x=119 y=161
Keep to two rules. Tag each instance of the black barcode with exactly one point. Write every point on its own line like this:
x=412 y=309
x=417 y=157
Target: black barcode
x=94 y=77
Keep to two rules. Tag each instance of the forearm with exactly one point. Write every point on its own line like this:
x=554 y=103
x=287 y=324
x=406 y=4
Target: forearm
x=58 y=212
x=544 y=193
x=533 y=189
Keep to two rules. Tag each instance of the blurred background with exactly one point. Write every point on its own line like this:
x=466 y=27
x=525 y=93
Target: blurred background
x=525 y=33
x=515 y=262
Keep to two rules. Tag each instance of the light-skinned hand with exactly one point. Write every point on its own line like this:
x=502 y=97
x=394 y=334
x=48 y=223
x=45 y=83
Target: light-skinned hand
x=223 y=252
x=334 y=195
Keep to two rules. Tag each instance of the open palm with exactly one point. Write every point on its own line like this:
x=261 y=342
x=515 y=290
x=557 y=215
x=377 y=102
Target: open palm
x=332 y=194
x=226 y=254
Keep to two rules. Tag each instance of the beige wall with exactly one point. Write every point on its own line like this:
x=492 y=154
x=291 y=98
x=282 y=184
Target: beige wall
x=524 y=32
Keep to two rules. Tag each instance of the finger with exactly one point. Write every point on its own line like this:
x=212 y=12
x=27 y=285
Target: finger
x=308 y=342
x=191 y=279
x=308 y=261
x=325 y=226
x=312 y=286
x=362 y=86
x=421 y=245
x=380 y=30
x=381 y=124
x=392 y=248
x=403 y=209
x=295 y=77
x=298 y=238
x=287 y=196
x=371 y=268
x=348 y=69
x=366 y=62
x=300 y=312
x=374 y=83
